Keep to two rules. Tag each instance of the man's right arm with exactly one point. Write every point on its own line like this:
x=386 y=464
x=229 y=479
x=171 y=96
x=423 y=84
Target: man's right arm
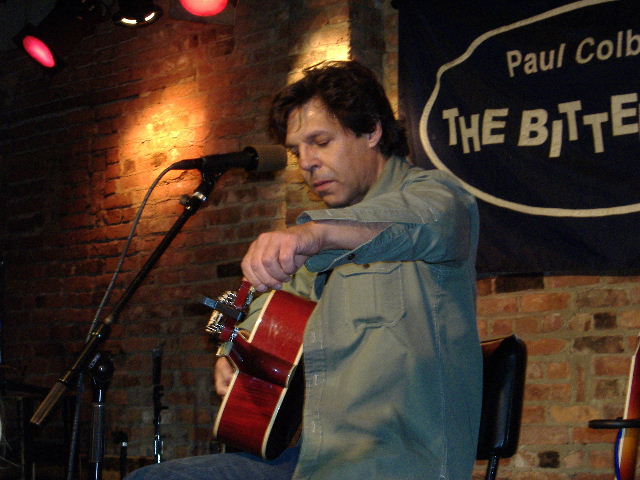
x=274 y=256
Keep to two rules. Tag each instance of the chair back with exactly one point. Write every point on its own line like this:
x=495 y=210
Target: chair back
x=505 y=361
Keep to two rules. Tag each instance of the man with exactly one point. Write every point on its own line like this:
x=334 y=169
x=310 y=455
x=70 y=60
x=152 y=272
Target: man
x=392 y=359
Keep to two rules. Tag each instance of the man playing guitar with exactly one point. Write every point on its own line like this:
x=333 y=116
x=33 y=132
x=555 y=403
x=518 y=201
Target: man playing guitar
x=391 y=356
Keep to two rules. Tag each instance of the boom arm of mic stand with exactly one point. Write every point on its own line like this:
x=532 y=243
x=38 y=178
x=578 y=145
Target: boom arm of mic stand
x=101 y=334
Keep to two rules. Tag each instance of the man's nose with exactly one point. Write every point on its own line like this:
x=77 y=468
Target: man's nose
x=308 y=160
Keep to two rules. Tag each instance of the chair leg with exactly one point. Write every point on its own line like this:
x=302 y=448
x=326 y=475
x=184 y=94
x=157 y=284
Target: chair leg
x=492 y=468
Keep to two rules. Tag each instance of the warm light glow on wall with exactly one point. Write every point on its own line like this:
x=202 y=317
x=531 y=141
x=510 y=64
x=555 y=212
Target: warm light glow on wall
x=173 y=129
x=338 y=52
x=181 y=122
x=327 y=43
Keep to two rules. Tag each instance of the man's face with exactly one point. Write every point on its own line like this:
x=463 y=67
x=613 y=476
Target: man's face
x=337 y=165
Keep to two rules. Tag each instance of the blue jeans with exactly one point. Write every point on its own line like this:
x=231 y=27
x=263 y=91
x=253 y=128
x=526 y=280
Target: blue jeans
x=222 y=466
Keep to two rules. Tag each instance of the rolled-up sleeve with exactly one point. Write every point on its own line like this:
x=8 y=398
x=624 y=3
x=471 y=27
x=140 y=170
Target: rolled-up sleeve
x=431 y=218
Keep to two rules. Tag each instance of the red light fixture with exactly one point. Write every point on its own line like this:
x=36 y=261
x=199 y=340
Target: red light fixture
x=39 y=51
x=61 y=31
x=204 y=8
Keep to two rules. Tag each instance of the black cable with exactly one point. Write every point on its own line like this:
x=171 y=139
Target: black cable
x=73 y=447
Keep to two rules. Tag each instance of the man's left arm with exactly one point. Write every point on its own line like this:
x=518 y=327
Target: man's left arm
x=274 y=256
x=432 y=220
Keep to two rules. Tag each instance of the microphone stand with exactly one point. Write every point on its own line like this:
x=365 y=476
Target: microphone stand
x=158 y=392
x=100 y=335
x=101 y=373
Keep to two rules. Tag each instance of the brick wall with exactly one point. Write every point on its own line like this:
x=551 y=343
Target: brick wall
x=80 y=149
x=580 y=334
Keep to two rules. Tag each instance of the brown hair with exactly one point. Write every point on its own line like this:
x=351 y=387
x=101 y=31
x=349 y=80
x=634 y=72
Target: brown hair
x=352 y=93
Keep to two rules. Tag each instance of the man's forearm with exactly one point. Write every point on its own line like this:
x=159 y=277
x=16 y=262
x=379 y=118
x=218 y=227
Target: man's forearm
x=344 y=235
x=274 y=256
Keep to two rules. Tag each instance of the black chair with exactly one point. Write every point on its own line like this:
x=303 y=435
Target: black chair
x=505 y=362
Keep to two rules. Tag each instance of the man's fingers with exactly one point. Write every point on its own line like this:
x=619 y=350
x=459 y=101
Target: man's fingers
x=270 y=261
x=299 y=261
x=223 y=374
x=263 y=274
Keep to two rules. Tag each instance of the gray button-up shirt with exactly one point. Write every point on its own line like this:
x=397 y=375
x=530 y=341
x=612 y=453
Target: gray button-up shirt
x=392 y=359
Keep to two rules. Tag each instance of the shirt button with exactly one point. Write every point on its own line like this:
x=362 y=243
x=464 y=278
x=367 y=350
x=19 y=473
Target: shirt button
x=365 y=265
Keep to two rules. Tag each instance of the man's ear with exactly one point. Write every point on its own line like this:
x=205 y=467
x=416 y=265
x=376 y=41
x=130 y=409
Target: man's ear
x=374 y=137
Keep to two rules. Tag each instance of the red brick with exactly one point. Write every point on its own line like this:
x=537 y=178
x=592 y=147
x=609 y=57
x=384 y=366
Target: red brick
x=573 y=414
x=533 y=414
x=604 y=344
x=546 y=346
x=558 y=392
x=541 y=302
x=588 y=435
x=570 y=281
x=610 y=365
x=544 y=435
x=494 y=305
x=606 y=297
x=484 y=286
x=558 y=370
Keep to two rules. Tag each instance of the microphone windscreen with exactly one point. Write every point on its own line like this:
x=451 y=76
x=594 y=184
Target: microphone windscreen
x=270 y=157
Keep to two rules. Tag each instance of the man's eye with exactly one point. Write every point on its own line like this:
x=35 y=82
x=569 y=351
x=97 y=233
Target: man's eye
x=322 y=143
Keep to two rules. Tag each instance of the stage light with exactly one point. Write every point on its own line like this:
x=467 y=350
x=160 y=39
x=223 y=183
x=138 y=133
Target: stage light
x=60 y=31
x=39 y=50
x=204 y=8
x=137 y=13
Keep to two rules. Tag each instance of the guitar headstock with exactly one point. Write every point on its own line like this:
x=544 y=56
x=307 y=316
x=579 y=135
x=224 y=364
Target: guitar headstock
x=229 y=310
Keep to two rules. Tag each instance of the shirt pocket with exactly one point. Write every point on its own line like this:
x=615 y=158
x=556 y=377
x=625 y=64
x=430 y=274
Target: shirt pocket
x=373 y=293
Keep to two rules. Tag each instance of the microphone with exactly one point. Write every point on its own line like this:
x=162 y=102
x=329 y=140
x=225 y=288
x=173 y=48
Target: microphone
x=261 y=158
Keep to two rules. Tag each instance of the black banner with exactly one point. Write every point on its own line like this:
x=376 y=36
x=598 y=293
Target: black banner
x=534 y=106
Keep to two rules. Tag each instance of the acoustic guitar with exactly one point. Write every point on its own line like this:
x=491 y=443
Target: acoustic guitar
x=262 y=409
x=627 y=448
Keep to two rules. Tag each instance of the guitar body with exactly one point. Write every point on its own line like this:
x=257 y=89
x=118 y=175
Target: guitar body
x=628 y=448
x=258 y=414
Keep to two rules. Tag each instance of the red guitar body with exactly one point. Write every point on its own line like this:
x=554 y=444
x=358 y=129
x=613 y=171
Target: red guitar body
x=262 y=409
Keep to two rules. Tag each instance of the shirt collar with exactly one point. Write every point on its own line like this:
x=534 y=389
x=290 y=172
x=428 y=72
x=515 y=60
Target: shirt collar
x=393 y=171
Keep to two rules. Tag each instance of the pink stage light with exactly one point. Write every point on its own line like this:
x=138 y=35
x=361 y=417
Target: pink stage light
x=39 y=51
x=204 y=8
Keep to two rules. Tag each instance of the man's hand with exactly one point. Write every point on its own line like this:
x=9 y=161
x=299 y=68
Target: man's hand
x=223 y=374
x=274 y=256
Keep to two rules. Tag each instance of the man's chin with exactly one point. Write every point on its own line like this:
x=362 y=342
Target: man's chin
x=333 y=202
